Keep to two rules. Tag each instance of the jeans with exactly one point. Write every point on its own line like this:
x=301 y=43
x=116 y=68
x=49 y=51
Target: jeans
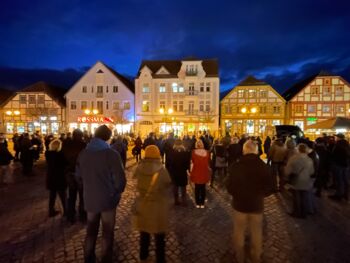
x=342 y=184
x=160 y=246
x=52 y=199
x=277 y=171
x=252 y=223
x=93 y=224
x=199 y=193
x=301 y=203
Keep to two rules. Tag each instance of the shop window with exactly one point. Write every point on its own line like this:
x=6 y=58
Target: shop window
x=145 y=106
x=311 y=108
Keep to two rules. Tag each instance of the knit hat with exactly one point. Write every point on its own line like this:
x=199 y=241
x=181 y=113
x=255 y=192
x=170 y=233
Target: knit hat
x=152 y=152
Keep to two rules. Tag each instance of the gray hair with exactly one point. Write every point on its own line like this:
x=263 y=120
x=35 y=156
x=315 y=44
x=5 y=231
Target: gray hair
x=250 y=147
x=55 y=145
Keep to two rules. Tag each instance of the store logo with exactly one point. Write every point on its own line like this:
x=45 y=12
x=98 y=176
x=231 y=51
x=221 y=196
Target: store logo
x=94 y=119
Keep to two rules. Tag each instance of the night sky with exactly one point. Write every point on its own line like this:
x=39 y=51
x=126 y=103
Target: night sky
x=279 y=41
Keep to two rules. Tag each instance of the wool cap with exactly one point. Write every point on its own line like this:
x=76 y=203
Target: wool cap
x=152 y=152
x=340 y=136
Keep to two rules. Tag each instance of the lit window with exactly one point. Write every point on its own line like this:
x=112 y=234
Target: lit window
x=181 y=106
x=251 y=93
x=175 y=87
x=263 y=93
x=181 y=88
x=299 y=108
x=276 y=109
x=314 y=90
x=84 y=105
x=126 y=105
x=311 y=108
x=339 y=90
x=162 y=87
x=116 y=105
x=326 y=108
x=241 y=93
x=162 y=104
x=145 y=106
x=145 y=88
x=73 y=105
x=175 y=106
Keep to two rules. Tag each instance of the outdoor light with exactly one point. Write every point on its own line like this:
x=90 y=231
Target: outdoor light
x=161 y=111
x=244 y=110
x=8 y=112
x=87 y=111
x=253 y=110
x=17 y=112
x=170 y=111
x=95 y=111
x=226 y=121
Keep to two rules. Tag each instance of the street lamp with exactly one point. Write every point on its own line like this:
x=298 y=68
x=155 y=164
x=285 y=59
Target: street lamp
x=93 y=111
x=165 y=113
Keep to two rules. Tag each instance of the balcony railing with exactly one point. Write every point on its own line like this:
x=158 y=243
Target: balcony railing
x=99 y=94
x=191 y=72
x=191 y=92
x=191 y=112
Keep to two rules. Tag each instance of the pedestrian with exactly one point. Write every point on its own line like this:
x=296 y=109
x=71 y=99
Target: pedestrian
x=101 y=172
x=152 y=205
x=55 y=177
x=5 y=160
x=121 y=148
x=299 y=169
x=26 y=156
x=179 y=165
x=136 y=151
x=200 y=173
x=219 y=163
x=150 y=140
x=167 y=148
x=16 y=147
x=234 y=151
x=71 y=150
x=249 y=183
x=323 y=168
x=267 y=145
x=340 y=167
x=277 y=155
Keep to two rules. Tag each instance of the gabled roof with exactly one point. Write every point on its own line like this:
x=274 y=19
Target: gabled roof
x=224 y=93
x=210 y=66
x=129 y=84
x=5 y=95
x=252 y=81
x=297 y=87
x=55 y=92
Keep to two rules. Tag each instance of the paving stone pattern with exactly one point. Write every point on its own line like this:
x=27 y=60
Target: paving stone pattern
x=196 y=235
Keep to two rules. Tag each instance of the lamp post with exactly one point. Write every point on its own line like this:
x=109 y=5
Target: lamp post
x=165 y=113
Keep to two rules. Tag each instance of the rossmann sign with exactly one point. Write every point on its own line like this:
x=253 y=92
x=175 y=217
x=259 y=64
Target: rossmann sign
x=95 y=119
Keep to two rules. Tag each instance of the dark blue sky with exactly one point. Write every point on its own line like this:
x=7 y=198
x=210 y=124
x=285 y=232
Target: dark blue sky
x=278 y=41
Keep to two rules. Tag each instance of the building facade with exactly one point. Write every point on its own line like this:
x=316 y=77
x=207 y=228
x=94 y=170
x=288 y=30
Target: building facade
x=316 y=99
x=38 y=107
x=252 y=107
x=177 y=95
x=101 y=96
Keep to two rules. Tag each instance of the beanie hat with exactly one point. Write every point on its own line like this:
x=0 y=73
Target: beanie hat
x=103 y=133
x=152 y=152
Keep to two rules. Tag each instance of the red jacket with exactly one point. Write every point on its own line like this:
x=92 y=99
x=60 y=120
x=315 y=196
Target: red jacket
x=201 y=171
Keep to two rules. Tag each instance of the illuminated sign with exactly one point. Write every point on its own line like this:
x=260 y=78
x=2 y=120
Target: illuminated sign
x=94 y=119
x=312 y=119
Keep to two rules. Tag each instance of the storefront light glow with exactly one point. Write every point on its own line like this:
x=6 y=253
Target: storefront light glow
x=17 y=112
x=87 y=111
x=8 y=112
x=95 y=111
x=244 y=110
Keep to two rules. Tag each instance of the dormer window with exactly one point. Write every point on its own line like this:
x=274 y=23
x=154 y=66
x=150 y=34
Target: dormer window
x=191 y=70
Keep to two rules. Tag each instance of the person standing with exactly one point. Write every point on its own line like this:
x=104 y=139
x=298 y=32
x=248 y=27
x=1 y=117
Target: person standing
x=277 y=155
x=26 y=156
x=179 y=165
x=340 y=164
x=16 y=147
x=5 y=160
x=299 y=169
x=101 y=172
x=71 y=150
x=137 y=149
x=119 y=146
x=249 y=183
x=55 y=179
x=200 y=173
x=234 y=151
x=152 y=204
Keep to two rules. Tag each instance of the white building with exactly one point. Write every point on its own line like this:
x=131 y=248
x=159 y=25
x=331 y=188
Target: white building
x=177 y=95
x=101 y=96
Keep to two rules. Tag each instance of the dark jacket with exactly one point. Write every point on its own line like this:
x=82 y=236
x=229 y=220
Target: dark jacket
x=55 y=177
x=249 y=182
x=101 y=171
x=179 y=163
x=71 y=150
x=234 y=152
x=341 y=153
x=5 y=155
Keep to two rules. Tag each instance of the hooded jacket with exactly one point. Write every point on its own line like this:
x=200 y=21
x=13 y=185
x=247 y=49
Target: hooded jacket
x=153 y=201
x=101 y=171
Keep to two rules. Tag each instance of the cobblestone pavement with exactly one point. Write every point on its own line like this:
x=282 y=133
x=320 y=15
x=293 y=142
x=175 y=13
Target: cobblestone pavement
x=196 y=235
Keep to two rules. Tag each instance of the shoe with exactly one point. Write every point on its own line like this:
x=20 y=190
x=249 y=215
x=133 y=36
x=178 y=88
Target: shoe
x=53 y=213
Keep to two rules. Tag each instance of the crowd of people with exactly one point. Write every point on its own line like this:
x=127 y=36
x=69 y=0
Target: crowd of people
x=90 y=170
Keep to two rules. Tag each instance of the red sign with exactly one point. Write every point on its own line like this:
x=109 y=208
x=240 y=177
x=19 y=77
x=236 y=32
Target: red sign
x=89 y=119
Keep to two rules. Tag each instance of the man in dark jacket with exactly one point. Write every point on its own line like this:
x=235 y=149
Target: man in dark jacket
x=340 y=164
x=71 y=150
x=101 y=171
x=249 y=182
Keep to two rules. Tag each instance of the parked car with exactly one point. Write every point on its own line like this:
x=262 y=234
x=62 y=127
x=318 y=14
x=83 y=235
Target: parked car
x=284 y=131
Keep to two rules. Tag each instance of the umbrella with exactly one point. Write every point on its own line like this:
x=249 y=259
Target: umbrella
x=333 y=123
